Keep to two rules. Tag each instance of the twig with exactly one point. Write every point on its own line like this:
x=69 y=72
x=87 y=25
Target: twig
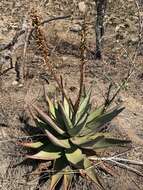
x=118 y=162
x=124 y=82
x=139 y=19
x=14 y=139
x=13 y=41
x=54 y=18
x=128 y=168
x=82 y=66
x=133 y=162
x=5 y=71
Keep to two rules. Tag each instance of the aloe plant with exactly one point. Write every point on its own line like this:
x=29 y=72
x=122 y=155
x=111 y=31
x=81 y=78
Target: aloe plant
x=71 y=137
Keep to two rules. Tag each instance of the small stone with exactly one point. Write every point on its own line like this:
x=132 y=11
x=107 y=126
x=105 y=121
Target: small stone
x=135 y=39
x=14 y=83
x=65 y=58
x=121 y=99
x=76 y=28
x=125 y=56
x=20 y=85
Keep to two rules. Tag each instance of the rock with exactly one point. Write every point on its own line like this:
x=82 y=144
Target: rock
x=20 y=85
x=134 y=39
x=76 y=28
x=65 y=58
x=14 y=83
x=125 y=56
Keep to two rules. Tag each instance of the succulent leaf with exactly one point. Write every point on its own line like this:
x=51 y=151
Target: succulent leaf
x=94 y=114
x=76 y=129
x=64 y=143
x=74 y=156
x=67 y=179
x=59 y=166
x=59 y=119
x=50 y=106
x=48 y=120
x=67 y=107
x=32 y=144
x=103 y=119
x=99 y=142
x=83 y=107
x=91 y=172
x=55 y=179
x=91 y=143
x=110 y=142
x=50 y=152
x=66 y=118
x=78 y=140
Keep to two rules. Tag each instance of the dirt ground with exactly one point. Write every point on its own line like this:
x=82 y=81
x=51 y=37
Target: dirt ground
x=120 y=45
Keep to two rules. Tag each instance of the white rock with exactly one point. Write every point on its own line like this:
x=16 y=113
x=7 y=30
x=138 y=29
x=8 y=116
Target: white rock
x=14 y=83
x=20 y=85
x=65 y=58
x=76 y=28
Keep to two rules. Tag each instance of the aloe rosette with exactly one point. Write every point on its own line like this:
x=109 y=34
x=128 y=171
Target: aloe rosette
x=72 y=137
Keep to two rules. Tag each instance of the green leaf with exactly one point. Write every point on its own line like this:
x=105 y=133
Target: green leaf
x=60 y=119
x=100 y=141
x=67 y=107
x=103 y=119
x=44 y=126
x=74 y=156
x=32 y=144
x=91 y=143
x=64 y=143
x=94 y=114
x=66 y=118
x=48 y=120
x=59 y=166
x=91 y=172
x=83 y=107
x=50 y=105
x=50 y=152
x=110 y=142
x=75 y=131
x=87 y=138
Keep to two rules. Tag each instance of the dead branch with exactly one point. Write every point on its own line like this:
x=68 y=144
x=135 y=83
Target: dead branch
x=128 y=168
x=117 y=159
x=139 y=19
x=122 y=163
x=101 y=6
x=5 y=71
x=83 y=61
x=54 y=19
x=12 y=42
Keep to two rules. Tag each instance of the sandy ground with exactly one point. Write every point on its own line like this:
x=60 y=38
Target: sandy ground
x=64 y=46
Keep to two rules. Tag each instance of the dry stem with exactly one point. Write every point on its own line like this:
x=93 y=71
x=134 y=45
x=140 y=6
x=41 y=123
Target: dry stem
x=82 y=66
x=41 y=41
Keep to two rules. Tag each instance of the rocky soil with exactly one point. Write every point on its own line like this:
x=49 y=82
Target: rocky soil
x=120 y=44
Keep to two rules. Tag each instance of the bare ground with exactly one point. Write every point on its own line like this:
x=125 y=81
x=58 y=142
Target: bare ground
x=64 y=47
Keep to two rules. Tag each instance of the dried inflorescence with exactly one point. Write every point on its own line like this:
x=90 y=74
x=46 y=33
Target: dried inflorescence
x=41 y=41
